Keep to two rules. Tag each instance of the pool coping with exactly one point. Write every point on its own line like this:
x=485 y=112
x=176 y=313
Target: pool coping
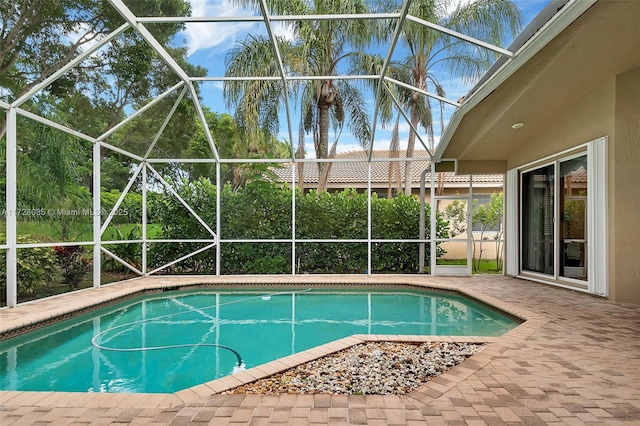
x=32 y=314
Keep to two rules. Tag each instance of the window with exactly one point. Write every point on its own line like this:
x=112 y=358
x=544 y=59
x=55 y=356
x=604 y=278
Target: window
x=573 y=216
x=538 y=189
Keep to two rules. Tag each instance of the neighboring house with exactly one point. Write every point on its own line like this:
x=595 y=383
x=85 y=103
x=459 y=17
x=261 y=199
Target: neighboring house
x=387 y=174
x=562 y=120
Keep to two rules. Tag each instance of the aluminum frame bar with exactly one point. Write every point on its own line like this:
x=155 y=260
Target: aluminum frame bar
x=408 y=120
x=75 y=61
x=258 y=18
x=184 y=203
x=461 y=36
x=289 y=77
x=120 y=151
x=120 y=261
x=140 y=111
x=203 y=120
x=280 y=160
x=61 y=244
x=218 y=219
x=272 y=37
x=149 y=38
x=55 y=125
x=164 y=123
x=173 y=262
x=126 y=189
x=97 y=235
x=385 y=65
x=424 y=92
x=11 y=205
x=144 y=221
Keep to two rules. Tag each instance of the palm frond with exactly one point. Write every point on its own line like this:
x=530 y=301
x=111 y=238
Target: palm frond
x=355 y=107
x=493 y=21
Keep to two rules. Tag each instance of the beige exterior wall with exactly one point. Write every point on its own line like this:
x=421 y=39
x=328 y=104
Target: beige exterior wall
x=590 y=119
x=624 y=191
x=612 y=111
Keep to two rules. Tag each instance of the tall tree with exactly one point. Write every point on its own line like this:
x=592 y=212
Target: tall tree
x=487 y=20
x=428 y=50
x=318 y=48
x=231 y=142
x=38 y=37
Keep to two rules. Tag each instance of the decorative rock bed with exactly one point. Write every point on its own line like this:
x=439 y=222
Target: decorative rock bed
x=375 y=368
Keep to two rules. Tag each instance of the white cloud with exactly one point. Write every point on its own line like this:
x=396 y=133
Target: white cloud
x=453 y=5
x=205 y=35
x=282 y=30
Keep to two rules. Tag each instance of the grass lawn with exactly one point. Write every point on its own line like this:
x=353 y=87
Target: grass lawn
x=44 y=231
x=486 y=266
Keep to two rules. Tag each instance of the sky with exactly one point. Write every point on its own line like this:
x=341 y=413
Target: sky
x=208 y=44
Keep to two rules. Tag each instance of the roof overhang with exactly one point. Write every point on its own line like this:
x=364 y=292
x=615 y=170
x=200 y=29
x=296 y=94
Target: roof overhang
x=580 y=48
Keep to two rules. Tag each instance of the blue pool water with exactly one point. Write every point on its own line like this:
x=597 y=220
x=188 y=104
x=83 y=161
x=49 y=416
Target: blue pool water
x=171 y=341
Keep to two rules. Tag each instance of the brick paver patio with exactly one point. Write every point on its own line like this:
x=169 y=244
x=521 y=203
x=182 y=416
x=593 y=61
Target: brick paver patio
x=576 y=360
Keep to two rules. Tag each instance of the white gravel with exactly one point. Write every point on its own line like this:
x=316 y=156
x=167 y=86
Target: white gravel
x=375 y=368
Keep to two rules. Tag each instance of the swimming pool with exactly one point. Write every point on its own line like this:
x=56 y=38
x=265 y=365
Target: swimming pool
x=166 y=342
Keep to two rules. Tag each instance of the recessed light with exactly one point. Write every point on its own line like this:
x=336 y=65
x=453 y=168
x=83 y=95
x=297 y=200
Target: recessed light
x=517 y=126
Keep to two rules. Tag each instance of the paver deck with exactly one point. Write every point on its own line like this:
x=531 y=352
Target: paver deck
x=576 y=360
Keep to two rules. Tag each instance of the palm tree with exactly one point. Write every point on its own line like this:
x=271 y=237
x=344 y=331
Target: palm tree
x=319 y=47
x=488 y=20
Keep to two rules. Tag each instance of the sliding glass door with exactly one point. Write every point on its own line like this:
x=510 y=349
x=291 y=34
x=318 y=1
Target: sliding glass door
x=537 y=220
x=573 y=228
x=554 y=219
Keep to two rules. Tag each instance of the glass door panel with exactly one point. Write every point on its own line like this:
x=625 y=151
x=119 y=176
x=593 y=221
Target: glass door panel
x=538 y=220
x=573 y=205
x=453 y=255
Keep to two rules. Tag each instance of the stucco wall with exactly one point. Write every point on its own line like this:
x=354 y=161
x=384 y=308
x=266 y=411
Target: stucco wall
x=624 y=191
x=589 y=119
x=612 y=110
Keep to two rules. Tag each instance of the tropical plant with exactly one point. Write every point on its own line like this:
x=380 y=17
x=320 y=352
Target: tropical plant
x=36 y=267
x=486 y=217
x=51 y=177
x=317 y=48
x=130 y=253
x=232 y=142
x=489 y=217
x=73 y=265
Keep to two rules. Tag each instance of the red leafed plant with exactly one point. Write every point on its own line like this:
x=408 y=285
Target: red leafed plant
x=72 y=264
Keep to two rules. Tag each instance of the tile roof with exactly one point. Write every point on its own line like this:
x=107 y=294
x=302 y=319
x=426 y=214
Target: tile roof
x=578 y=175
x=355 y=172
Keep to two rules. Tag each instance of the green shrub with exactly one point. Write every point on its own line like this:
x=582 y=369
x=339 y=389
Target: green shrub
x=129 y=211
x=176 y=222
x=130 y=252
x=262 y=210
x=36 y=267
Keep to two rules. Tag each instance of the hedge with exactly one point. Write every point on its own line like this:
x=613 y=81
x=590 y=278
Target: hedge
x=262 y=210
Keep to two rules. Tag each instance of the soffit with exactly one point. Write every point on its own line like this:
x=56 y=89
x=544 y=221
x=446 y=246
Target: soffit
x=603 y=42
